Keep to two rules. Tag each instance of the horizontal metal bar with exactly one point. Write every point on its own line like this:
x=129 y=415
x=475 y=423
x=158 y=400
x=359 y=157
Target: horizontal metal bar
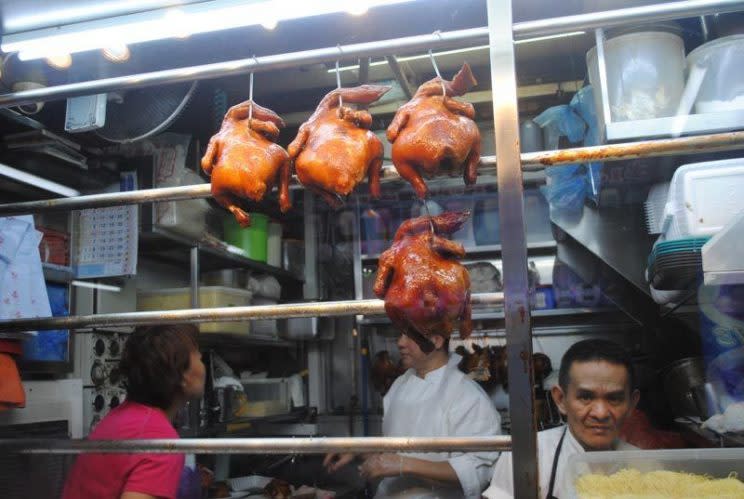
x=257 y=445
x=439 y=40
x=642 y=149
x=222 y=314
x=632 y=15
x=530 y=161
x=446 y=39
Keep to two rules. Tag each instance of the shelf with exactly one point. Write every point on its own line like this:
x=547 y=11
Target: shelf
x=693 y=124
x=484 y=250
x=220 y=429
x=551 y=314
x=163 y=245
x=59 y=274
x=232 y=340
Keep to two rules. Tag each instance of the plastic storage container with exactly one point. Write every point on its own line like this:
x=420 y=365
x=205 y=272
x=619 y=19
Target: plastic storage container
x=209 y=297
x=265 y=327
x=267 y=396
x=703 y=198
x=722 y=88
x=645 y=75
x=274 y=245
x=717 y=463
x=252 y=240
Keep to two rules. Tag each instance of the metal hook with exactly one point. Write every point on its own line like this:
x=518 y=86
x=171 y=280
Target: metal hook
x=428 y=214
x=436 y=70
x=338 y=78
x=250 y=93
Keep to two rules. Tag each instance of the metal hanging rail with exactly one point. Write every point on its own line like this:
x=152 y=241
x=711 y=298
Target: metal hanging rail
x=258 y=445
x=222 y=314
x=449 y=39
x=530 y=161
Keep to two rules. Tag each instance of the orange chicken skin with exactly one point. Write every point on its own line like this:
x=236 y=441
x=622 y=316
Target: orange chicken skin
x=425 y=287
x=334 y=149
x=433 y=131
x=244 y=162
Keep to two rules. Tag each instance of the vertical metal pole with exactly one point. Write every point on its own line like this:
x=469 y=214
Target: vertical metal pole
x=513 y=248
x=194 y=277
x=604 y=89
x=316 y=364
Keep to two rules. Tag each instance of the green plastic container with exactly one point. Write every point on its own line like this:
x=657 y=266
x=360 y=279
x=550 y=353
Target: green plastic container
x=251 y=240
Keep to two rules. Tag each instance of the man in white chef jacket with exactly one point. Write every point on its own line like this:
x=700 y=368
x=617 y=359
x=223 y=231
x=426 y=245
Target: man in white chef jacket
x=433 y=398
x=595 y=393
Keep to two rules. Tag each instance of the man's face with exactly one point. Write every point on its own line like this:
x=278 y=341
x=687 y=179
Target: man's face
x=411 y=355
x=597 y=402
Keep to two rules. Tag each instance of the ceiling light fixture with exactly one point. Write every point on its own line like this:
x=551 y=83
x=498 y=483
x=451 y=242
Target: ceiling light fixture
x=477 y=48
x=117 y=53
x=59 y=61
x=189 y=19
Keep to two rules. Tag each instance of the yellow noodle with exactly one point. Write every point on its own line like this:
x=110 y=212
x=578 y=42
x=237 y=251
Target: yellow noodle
x=632 y=484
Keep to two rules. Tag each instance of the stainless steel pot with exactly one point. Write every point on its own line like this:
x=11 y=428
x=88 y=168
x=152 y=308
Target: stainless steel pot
x=684 y=385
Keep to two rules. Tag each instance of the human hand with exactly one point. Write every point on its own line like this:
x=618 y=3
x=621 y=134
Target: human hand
x=381 y=465
x=335 y=461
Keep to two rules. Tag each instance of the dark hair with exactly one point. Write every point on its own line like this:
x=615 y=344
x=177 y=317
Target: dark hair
x=595 y=350
x=154 y=360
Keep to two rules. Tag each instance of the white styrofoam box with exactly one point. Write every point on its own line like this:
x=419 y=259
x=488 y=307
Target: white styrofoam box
x=85 y=113
x=703 y=198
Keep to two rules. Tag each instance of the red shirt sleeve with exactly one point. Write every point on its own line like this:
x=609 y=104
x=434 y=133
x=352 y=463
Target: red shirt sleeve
x=155 y=474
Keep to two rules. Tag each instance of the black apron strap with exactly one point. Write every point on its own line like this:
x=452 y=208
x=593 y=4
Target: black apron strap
x=555 y=465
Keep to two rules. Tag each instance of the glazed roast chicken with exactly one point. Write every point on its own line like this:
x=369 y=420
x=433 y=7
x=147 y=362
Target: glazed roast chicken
x=334 y=150
x=434 y=131
x=425 y=287
x=245 y=162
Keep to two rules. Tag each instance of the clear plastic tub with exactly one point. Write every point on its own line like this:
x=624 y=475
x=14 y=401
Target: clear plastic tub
x=717 y=463
x=209 y=297
x=722 y=88
x=703 y=198
x=267 y=396
x=645 y=75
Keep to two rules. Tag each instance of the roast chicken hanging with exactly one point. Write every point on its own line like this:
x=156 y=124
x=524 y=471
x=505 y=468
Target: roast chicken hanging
x=334 y=150
x=245 y=162
x=425 y=287
x=433 y=131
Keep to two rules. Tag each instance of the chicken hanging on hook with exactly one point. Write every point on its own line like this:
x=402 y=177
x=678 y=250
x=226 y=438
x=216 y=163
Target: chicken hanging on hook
x=244 y=161
x=334 y=149
x=425 y=287
x=433 y=131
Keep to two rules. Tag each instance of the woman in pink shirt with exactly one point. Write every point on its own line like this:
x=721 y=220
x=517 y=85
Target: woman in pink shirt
x=163 y=370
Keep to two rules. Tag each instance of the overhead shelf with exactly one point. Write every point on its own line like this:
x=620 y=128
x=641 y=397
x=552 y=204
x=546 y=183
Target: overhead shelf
x=673 y=126
x=485 y=250
x=59 y=274
x=163 y=245
x=551 y=316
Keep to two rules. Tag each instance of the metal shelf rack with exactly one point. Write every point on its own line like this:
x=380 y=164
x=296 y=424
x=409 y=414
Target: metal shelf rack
x=500 y=35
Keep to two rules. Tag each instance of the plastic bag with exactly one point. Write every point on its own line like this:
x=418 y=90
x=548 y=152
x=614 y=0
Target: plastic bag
x=565 y=188
x=583 y=105
x=560 y=121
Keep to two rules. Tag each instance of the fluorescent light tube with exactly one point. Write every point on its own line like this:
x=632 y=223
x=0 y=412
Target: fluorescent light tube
x=194 y=18
x=41 y=183
x=95 y=285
